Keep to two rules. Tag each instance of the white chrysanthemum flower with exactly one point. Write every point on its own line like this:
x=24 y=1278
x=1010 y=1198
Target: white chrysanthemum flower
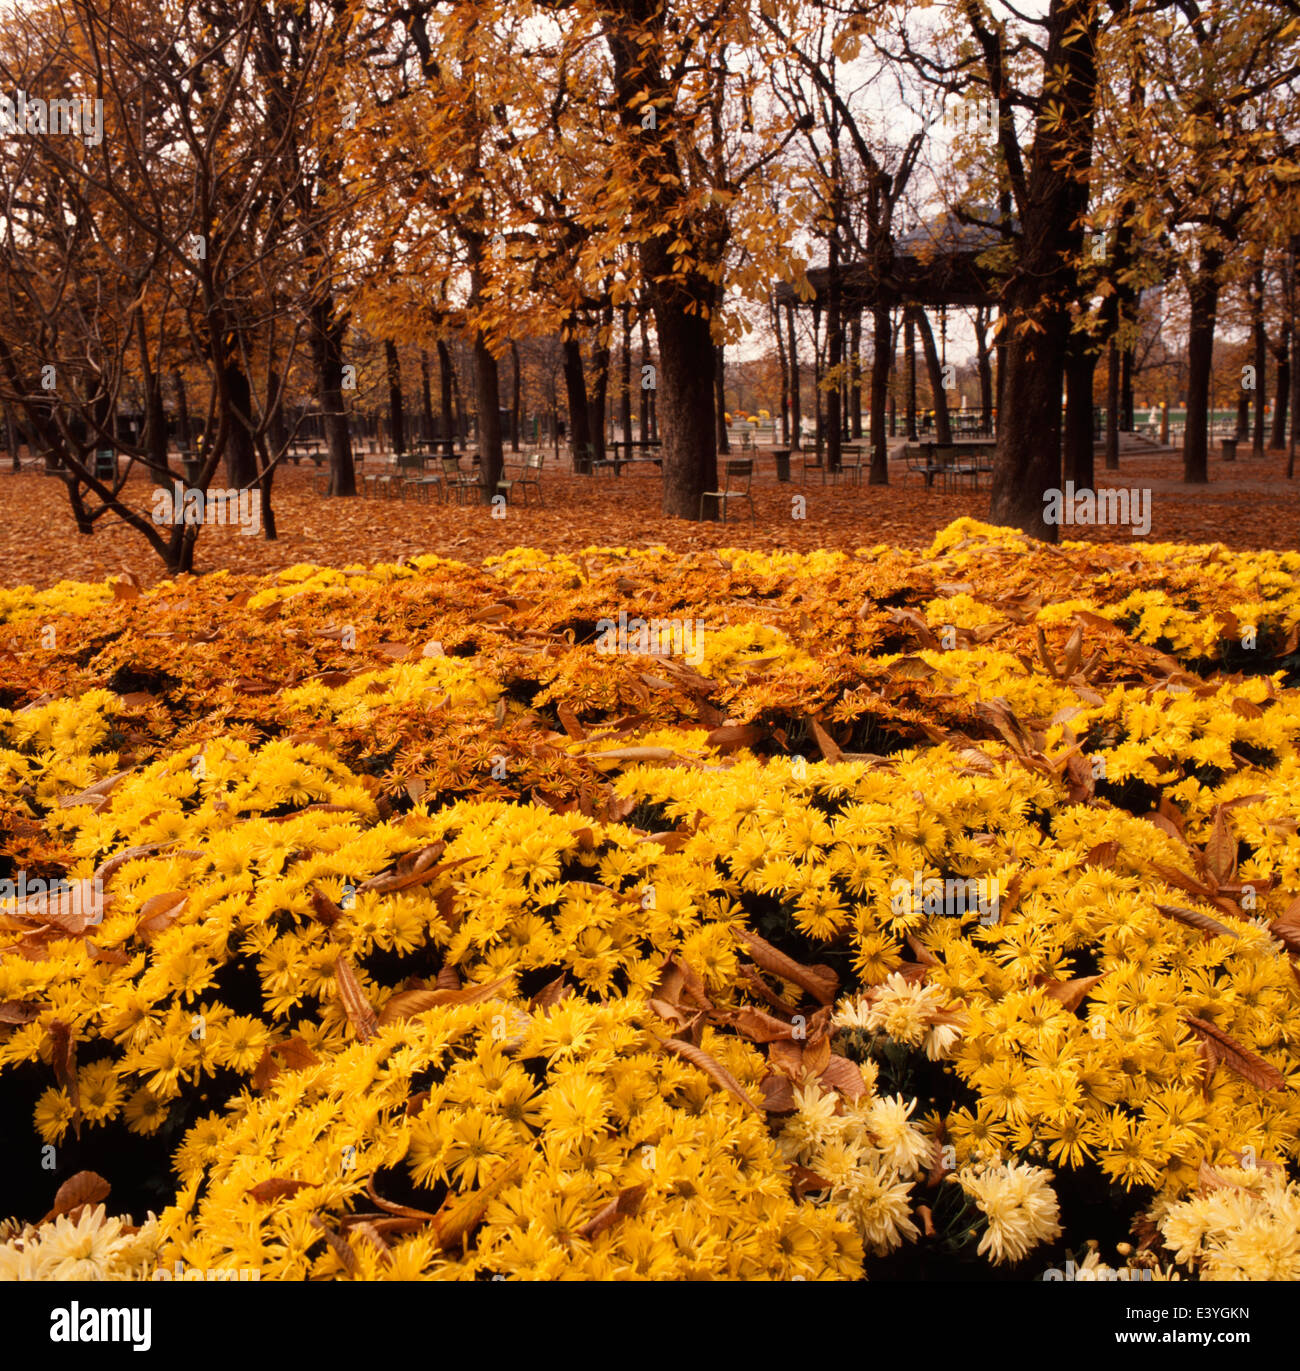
x=812 y=1125
x=910 y=1012
x=939 y=1041
x=94 y=1248
x=1019 y=1203
x=879 y=1204
x=850 y=1013
x=904 y=1148
x=1247 y=1229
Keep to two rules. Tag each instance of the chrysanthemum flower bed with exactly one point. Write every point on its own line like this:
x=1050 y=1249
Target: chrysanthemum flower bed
x=410 y=934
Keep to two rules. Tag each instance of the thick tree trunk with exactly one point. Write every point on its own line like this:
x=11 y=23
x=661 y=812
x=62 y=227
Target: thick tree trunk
x=1028 y=461
x=1036 y=300
x=682 y=300
x=327 y=353
x=396 y=409
x=686 y=371
x=241 y=458
x=1204 y=299
x=882 y=356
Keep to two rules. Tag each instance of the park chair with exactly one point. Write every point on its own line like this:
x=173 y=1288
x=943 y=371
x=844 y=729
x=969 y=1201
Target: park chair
x=523 y=476
x=956 y=466
x=740 y=471
x=851 y=455
x=105 y=466
x=813 y=461
x=410 y=485
x=382 y=483
x=454 y=479
x=921 y=462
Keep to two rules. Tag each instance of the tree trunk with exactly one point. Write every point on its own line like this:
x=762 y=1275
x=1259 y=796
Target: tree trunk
x=426 y=397
x=1282 y=386
x=882 y=354
x=1203 y=291
x=446 y=377
x=241 y=459
x=488 y=395
x=11 y=436
x=682 y=299
x=909 y=372
x=785 y=374
x=647 y=391
x=599 y=392
x=275 y=428
x=516 y=397
x=686 y=369
x=942 y=425
x=819 y=438
x=625 y=380
x=855 y=376
x=834 y=357
x=1112 y=406
x=1260 y=339
x=1028 y=461
x=1081 y=364
x=327 y=352
x=984 y=366
x=461 y=427
x=182 y=410
x=155 y=423
x=575 y=388
x=1126 y=390
x=396 y=409
x=796 y=414
x=720 y=397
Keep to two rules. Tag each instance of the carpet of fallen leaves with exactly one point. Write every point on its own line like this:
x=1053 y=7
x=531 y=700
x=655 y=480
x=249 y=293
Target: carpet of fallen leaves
x=1247 y=504
x=414 y=934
